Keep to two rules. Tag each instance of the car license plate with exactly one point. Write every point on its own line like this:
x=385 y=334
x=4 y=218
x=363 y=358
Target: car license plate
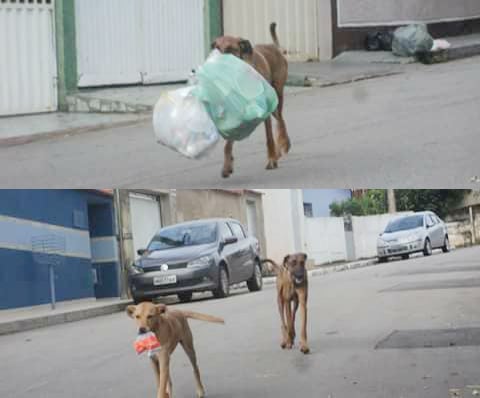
x=164 y=280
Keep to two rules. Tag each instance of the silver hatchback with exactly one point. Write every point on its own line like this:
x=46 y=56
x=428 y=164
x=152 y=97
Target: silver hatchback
x=419 y=232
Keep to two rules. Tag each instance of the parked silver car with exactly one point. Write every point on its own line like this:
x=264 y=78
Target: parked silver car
x=419 y=232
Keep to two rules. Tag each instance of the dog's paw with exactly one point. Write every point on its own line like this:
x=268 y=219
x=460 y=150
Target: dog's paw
x=272 y=165
x=284 y=146
x=305 y=349
x=227 y=172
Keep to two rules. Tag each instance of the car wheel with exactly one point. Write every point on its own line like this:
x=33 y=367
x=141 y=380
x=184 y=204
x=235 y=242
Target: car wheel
x=427 y=248
x=446 y=245
x=223 y=289
x=185 y=297
x=255 y=283
x=383 y=259
x=405 y=256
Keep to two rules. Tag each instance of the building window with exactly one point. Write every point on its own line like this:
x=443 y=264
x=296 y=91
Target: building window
x=308 y=209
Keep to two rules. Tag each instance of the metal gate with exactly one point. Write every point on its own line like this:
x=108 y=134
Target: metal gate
x=146 y=219
x=297 y=24
x=28 y=72
x=138 y=41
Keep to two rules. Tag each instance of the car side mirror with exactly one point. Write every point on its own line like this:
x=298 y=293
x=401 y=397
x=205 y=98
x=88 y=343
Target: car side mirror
x=141 y=252
x=230 y=240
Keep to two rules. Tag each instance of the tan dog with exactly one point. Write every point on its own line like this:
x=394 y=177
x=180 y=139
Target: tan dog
x=170 y=327
x=269 y=61
x=292 y=292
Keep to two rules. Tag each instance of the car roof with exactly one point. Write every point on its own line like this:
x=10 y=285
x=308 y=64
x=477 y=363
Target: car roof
x=202 y=221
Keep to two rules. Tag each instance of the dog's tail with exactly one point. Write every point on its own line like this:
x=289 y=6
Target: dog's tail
x=275 y=265
x=202 y=317
x=273 y=32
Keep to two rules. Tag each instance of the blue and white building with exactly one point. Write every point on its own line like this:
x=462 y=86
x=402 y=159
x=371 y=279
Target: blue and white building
x=83 y=220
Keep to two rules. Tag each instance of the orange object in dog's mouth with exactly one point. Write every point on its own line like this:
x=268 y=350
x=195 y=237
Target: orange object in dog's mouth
x=147 y=342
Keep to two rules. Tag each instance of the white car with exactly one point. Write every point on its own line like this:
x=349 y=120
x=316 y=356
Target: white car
x=418 y=232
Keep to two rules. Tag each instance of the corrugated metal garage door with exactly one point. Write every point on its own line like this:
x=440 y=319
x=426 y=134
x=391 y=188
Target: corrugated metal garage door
x=146 y=219
x=297 y=24
x=28 y=69
x=138 y=41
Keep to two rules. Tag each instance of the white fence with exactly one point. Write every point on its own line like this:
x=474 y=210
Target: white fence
x=28 y=70
x=141 y=41
x=297 y=24
x=325 y=239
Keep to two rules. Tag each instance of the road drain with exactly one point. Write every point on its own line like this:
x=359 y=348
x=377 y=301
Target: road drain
x=431 y=338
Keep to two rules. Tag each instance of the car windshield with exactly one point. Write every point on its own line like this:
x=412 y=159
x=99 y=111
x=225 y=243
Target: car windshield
x=404 y=224
x=185 y=235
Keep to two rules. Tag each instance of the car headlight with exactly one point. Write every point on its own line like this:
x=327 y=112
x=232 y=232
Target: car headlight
x=200 y=262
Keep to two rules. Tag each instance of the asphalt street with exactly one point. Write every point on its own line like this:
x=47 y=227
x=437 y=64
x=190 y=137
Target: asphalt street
x=403 y=329
x=415 y=130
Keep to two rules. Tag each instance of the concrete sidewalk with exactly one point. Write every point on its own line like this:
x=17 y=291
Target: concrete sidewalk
x=19 y=130
x=23 y=319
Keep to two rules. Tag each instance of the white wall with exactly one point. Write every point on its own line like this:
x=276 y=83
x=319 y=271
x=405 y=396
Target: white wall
x=283 y=222
x=366 y=231
x=325 y=239
x=384 y=12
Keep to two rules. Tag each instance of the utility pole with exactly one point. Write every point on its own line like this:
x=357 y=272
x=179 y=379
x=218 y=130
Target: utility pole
x=392 y=206
x=122 y=212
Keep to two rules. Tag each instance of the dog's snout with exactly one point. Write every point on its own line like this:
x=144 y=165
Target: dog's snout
x=142 y=330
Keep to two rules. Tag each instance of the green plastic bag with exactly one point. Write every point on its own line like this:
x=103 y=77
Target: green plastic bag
x=235 y=95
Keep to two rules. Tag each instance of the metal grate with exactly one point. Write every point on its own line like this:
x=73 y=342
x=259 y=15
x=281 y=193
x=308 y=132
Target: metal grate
x=49 y=250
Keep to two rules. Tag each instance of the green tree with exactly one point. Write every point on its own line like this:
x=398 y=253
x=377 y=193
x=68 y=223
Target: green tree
x=441 y=201
x=373 y=202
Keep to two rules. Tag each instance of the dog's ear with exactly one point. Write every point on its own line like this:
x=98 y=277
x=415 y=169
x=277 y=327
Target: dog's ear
x=161 y=309
x=245 y=47
x=285 y=259
x=130 y=310
x=213 y=46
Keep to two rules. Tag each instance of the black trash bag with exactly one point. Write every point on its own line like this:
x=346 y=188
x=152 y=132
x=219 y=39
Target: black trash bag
x=379 y=41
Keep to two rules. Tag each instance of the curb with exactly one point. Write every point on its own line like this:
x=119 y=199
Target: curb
x=57 y=319
x=270 y=280
x=330 y=270
x=28 y=139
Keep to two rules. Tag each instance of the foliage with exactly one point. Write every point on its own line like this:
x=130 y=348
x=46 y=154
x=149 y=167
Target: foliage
x=441 y=201
x=373 y=202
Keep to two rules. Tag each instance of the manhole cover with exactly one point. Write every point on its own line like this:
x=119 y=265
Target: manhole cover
x=431 y=338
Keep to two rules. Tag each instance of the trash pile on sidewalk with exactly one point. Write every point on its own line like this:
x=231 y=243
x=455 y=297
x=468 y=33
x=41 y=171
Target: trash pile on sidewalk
x=227 y=98
x=407 y=41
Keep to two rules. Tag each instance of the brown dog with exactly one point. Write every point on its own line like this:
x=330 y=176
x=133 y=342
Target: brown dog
x=269 y=61
x=292 y=292
x=170 y=327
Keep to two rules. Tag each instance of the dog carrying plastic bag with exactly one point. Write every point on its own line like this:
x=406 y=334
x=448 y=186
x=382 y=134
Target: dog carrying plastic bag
x=147 y=342
x=236 y=96
x=182 y=123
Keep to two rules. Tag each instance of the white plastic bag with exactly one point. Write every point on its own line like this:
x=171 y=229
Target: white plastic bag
x=182 y=123
x=440 y=45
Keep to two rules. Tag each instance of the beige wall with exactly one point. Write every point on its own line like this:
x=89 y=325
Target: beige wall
x=396 y=12
x=196 y=204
